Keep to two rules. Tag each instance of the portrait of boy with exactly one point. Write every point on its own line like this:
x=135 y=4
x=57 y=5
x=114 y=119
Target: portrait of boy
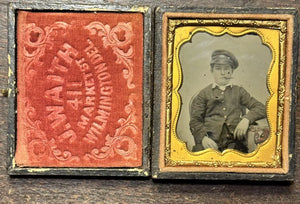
x=220 y=114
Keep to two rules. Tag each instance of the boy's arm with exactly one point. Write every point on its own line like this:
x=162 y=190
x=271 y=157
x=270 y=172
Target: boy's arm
x=257 y=110
x=197 y=114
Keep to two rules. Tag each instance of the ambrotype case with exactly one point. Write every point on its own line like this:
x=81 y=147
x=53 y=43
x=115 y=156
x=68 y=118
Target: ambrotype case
x=79 y=90
x=224 y=93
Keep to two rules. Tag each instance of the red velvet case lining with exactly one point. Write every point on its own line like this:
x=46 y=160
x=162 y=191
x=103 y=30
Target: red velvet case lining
x=79 y=77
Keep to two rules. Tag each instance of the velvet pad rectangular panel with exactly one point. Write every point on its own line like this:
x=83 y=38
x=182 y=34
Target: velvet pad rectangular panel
x=80 y=80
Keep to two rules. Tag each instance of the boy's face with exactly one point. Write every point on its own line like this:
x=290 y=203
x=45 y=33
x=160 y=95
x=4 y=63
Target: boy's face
x=222 y=74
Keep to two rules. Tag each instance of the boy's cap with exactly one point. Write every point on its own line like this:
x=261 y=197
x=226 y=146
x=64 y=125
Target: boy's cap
x=224 y=57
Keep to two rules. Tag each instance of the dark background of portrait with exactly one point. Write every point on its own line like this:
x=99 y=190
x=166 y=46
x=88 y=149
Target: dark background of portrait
x=135 y=190
x=254 y=61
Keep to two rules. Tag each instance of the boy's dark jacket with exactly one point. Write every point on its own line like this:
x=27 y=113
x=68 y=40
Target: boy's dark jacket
x=211 y=108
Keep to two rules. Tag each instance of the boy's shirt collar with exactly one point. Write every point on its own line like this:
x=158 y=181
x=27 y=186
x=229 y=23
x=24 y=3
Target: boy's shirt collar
x=214 y=85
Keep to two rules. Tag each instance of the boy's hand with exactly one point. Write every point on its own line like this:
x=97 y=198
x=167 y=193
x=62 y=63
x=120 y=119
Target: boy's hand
x=209 y=143
x=241 y=129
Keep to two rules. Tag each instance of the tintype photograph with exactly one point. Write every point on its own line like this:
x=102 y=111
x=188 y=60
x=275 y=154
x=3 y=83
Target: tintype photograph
x=224 y=92
x=225 y=89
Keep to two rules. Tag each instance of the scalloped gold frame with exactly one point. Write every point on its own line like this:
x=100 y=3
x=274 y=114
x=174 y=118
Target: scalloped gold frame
x=276 y=31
